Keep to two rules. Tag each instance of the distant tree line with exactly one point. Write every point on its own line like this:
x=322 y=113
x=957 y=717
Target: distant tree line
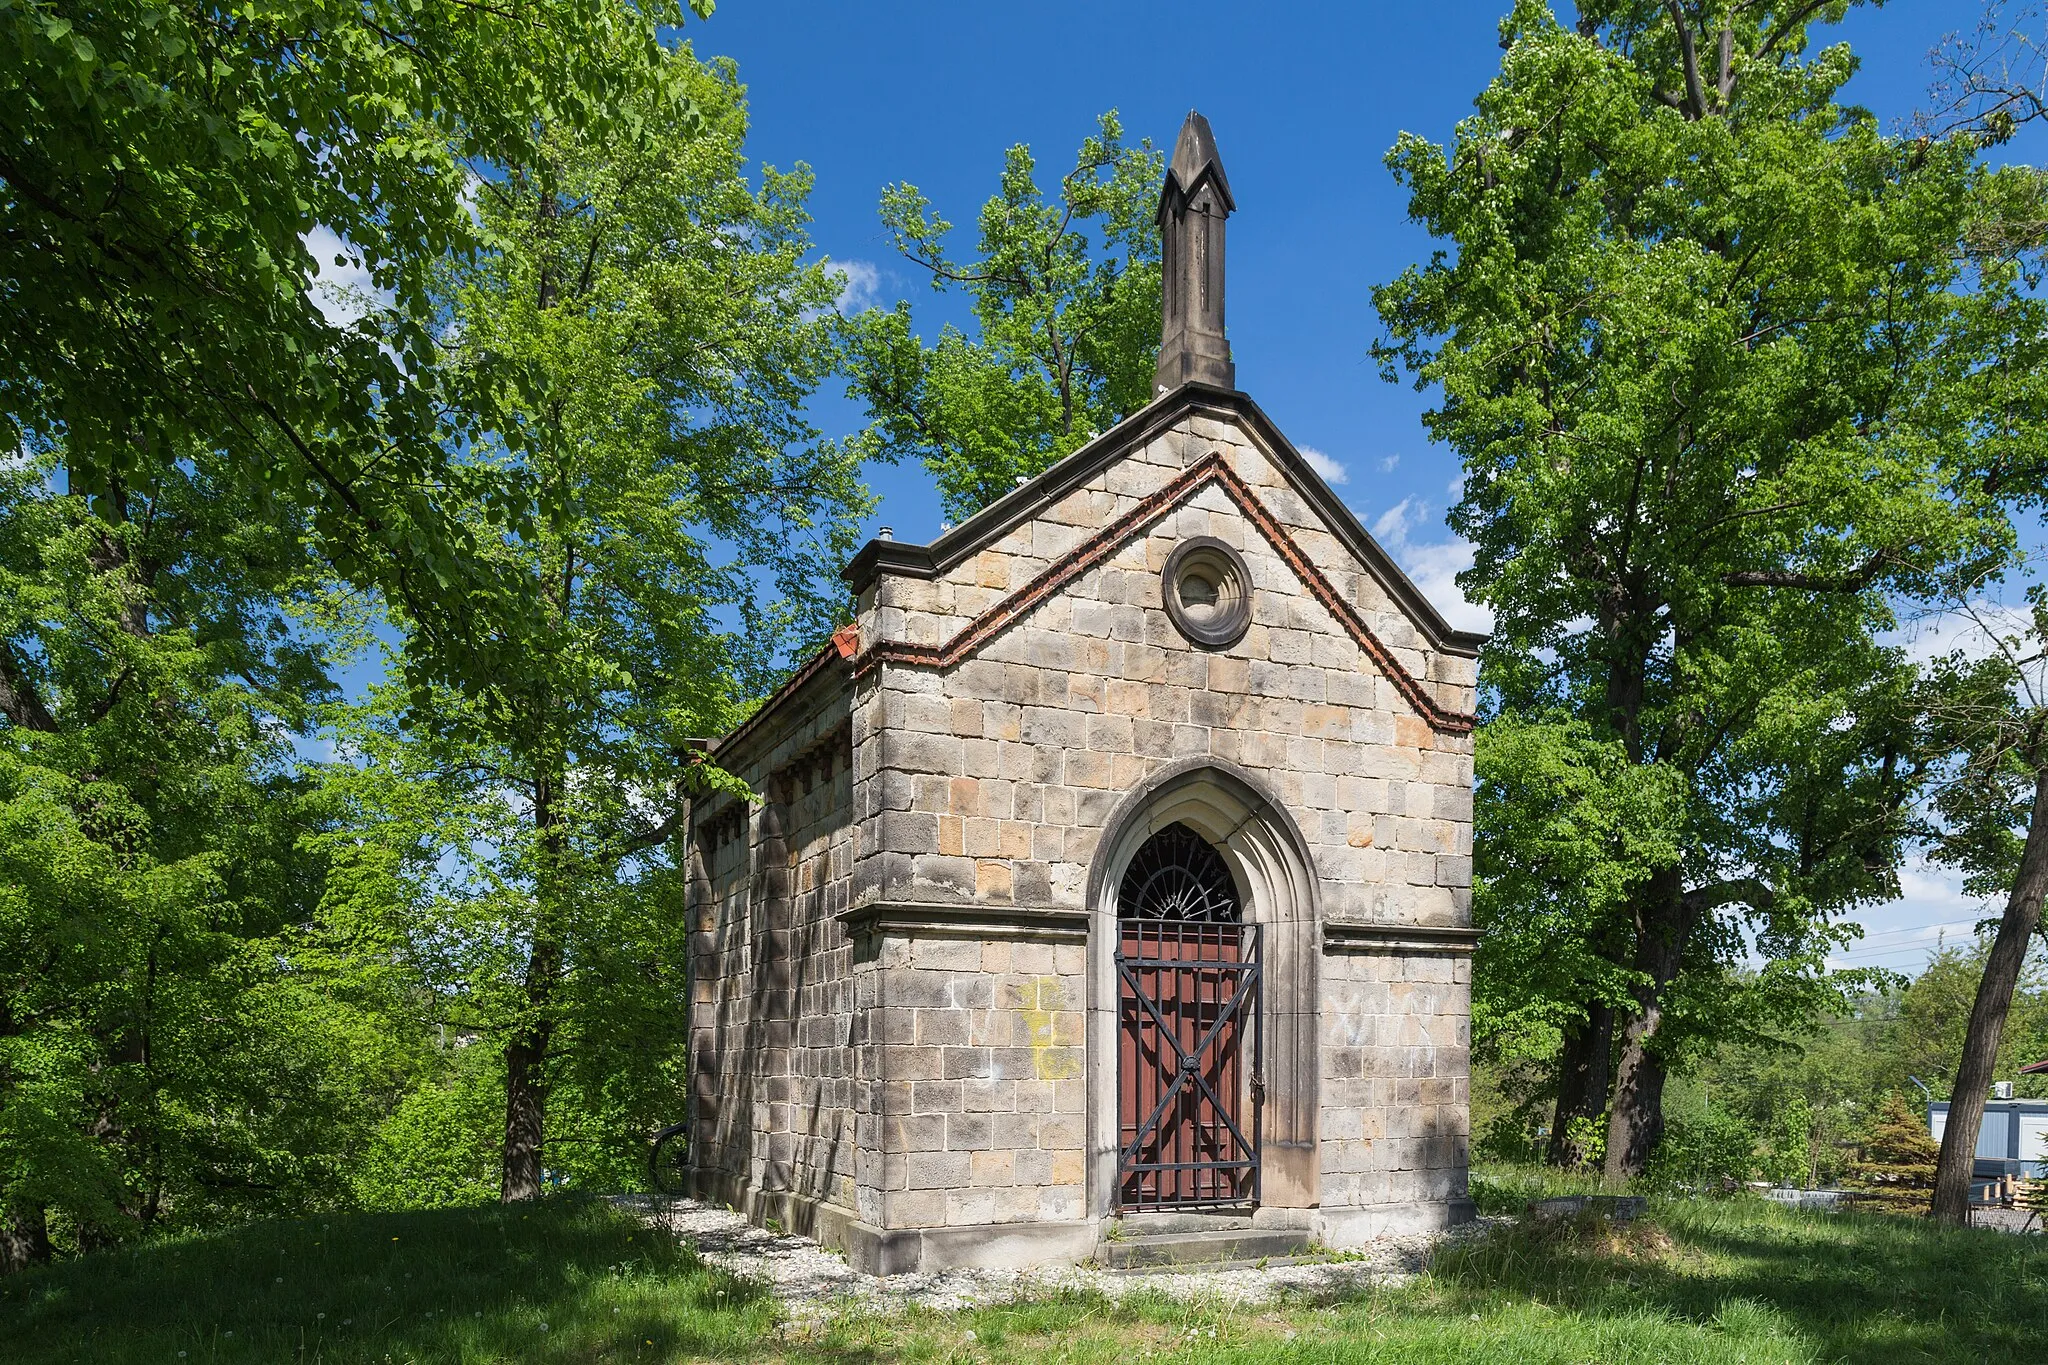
x=1801 y=1107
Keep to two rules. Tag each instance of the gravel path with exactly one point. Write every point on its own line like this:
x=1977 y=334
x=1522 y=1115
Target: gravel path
x=815 y=1283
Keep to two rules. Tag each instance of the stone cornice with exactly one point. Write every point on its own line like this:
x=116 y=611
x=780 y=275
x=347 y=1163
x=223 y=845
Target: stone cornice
x=1426 y=939
x=946 y=919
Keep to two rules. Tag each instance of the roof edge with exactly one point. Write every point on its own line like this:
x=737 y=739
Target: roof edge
x=1006 y=513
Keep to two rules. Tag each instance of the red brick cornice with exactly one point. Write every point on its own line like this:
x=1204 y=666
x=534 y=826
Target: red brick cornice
x=1099 y=547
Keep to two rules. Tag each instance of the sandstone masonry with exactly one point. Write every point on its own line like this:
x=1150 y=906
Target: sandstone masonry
x=905 y=1002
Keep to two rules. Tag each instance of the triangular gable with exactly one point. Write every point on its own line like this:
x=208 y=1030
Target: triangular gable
x=1032 y=498
x=1210 y=469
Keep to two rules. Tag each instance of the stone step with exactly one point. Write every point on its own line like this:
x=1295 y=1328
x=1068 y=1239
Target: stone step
x=1130 y=1272
x=1200 y=1248
x=1189 y=1220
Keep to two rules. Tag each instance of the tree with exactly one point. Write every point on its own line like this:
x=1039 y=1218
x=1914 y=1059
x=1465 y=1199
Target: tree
x=1993 y=823
x=1068 y=325
x=180 y=1040
x=1704 y=345
x=166 y=167
x=661 y=330
x=1897 y=1166
x=1572 y=828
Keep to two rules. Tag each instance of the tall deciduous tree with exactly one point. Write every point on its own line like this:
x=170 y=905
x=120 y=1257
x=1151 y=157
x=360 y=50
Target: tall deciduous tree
x=1701 y=345
x=182 y=1038
x=659 y=328
x=1991 y=712
x=165 y=166
x=1065 y=293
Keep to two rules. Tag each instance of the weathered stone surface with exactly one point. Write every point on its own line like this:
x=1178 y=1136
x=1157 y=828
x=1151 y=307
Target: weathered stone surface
x=926 y=1081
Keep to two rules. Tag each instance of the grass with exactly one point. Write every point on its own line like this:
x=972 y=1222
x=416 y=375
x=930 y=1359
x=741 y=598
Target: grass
x=564 y=1281
x=1736 y=1281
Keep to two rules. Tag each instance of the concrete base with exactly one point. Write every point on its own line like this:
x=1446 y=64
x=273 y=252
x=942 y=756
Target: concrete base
x=990 y=1246
x=1221 y=1246
x=1340 y=1228
x=905 y=1251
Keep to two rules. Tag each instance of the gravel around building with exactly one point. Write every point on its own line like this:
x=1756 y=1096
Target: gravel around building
x=815 y=1283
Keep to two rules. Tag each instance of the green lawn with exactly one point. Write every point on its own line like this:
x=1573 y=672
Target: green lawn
x=576 y=1281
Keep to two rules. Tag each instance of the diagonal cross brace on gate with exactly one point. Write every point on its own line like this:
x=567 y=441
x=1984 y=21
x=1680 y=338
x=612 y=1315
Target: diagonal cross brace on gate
x=1240 y=1008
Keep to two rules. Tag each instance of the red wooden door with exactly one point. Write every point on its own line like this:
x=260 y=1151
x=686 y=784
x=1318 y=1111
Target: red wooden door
x=1188 y=1056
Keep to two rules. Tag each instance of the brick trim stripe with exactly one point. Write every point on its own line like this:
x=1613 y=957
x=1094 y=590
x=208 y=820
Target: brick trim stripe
x=1099 y=547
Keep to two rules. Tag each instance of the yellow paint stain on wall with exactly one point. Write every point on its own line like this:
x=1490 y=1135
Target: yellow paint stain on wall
x=1044 y=998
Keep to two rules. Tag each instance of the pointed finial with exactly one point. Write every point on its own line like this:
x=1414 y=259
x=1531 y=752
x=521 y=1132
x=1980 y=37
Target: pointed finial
x=1193 y=203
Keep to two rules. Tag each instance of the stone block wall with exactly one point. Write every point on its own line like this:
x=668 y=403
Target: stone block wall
x=1396 y=1057
x=988 y=777
x=775 y=1083
x=993 y=775
x=981 y=1080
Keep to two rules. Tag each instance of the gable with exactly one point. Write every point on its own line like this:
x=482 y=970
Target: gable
x=1192 y=406
x=937 y=605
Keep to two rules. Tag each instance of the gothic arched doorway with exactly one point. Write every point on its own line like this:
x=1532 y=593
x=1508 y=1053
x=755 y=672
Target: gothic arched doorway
x=1188 y=1065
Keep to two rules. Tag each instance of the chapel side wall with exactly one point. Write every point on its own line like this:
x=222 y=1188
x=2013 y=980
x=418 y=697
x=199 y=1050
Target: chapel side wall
x=999 y=774
x=774 y=1084
x=1396 y=1049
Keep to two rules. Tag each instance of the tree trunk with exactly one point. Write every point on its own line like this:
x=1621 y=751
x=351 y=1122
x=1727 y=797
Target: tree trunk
x=24 y=1237
x=1987 y=1017
x=526 y=1053
x=1583 y=1075
x=526 y=1103
x=1636 y=1125
x=1635 y=1122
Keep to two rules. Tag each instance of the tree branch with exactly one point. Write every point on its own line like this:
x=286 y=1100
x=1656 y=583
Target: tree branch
x=1749 y=891
x=1689 y=54
x=1854 y=581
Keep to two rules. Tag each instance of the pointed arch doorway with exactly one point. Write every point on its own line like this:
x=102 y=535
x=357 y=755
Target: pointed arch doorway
x=1276 y=893
x=1190 y=1085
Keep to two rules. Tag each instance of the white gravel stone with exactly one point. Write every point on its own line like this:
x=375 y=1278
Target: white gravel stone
x=814 y=1283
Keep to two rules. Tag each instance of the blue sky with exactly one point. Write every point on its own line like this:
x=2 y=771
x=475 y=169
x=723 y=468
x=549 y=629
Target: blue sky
x=1304 y=100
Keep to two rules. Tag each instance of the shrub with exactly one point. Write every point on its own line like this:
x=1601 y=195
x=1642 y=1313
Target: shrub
x=438 y=1149
x=1704 y=1152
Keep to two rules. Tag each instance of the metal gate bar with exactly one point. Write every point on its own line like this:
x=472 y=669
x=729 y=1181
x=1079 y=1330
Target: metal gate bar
x=1188 y=994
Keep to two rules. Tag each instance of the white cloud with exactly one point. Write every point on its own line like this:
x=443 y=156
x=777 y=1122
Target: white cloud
x=1387 y=465
x=1332 y=470
x=1434 y=565
x=860 y=284
x=342 y=286
x=1973 y=630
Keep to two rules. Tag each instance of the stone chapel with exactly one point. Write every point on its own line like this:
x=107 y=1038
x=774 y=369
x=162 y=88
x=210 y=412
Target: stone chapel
x=1105 y=892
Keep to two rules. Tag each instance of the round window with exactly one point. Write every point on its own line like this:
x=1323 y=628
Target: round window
x=1208 y=592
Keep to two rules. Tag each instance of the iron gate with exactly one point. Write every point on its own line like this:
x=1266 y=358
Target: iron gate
x=1188 y=981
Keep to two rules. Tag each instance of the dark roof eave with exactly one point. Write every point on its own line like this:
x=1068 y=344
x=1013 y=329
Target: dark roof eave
x=1011 y=510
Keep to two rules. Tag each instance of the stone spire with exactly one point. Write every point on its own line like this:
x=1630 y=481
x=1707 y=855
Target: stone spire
x=1192 y=206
